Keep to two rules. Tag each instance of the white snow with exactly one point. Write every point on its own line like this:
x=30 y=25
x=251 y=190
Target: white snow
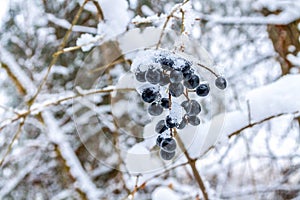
x=66 y=25
x=295 y=60
x=150 y=19
x=290 y=12
x=279 y=97
x=116 y=18
x=176 y=112
x=136 y=39
x=3 y=10
x=163 y=193
x=87 y=41
x=139 y=160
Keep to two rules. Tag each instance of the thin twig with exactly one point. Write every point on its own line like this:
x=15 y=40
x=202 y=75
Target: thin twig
x=208 y=69
x=55 y=57
x=259 y=122
x=61 y=100
x=16 y=135
x=192 y=163
x=167 y=21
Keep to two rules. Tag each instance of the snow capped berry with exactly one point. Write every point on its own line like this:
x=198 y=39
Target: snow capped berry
x=149 y=95
x=165 y=103
x=192 y=83
x=155 y=109
x=176 y=89
x=194 y=120
x=170 y=123
x=186 y=66
x=166 y=63
x=202 y=90
x=167 y=155
x=176 y=76
x=161 y=126
x=221 y=83
x=140 y=76
x=187 y=74
x=153 y=75
x=194 y=108
x=168 y=145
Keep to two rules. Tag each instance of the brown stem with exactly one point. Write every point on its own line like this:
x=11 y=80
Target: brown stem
x=192 y=163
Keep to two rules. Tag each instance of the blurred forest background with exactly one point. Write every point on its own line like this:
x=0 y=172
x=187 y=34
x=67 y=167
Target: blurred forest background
x=45 y=44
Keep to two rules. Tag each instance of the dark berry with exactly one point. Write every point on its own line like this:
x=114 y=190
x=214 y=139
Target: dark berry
x=161 y=126
x=164 y=79
x=167 y=155
x=182 y=124
x=194 y=108
x=187 y=74
x=140 y=76
x=176 y=89
x=176 y=76
x=149 y=95
x=202 y=90
x=194 y=120
x=155 y=109
x=166 y=63
x=165 y=103
x=192 y=83
x=168 y=144
x=159 y=139
x=153 y=75
x=186 y=105
x=221 y=83
x=170 y=123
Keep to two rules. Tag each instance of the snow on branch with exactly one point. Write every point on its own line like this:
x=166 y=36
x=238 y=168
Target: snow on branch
x=16 y=70
x=12 y=183
x=289 y=13
x=67 y=25
x=83 y=181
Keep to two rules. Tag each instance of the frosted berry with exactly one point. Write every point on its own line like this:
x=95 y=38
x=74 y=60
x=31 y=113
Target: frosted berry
x=194 y=108
x=187 y=74
x=161 y=126
x=155 y=109
x=186 y=105
x=170 y=123
x=140 y=76
x=164 y=79
x=176 y=89
x=167 y=155
x=176 y=76
x=149 y=95
x=221 y=83
x=192 y=83
x=168 y=144
x=194 y=120
x=166 y=63
x=182 y=124
x=153 y=75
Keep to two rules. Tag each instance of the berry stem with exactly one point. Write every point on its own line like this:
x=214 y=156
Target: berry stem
x=208 y=69
x=186 y=94
x=170 y=107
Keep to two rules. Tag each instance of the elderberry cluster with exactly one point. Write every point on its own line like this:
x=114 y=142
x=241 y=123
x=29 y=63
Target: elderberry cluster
x=168 y=79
